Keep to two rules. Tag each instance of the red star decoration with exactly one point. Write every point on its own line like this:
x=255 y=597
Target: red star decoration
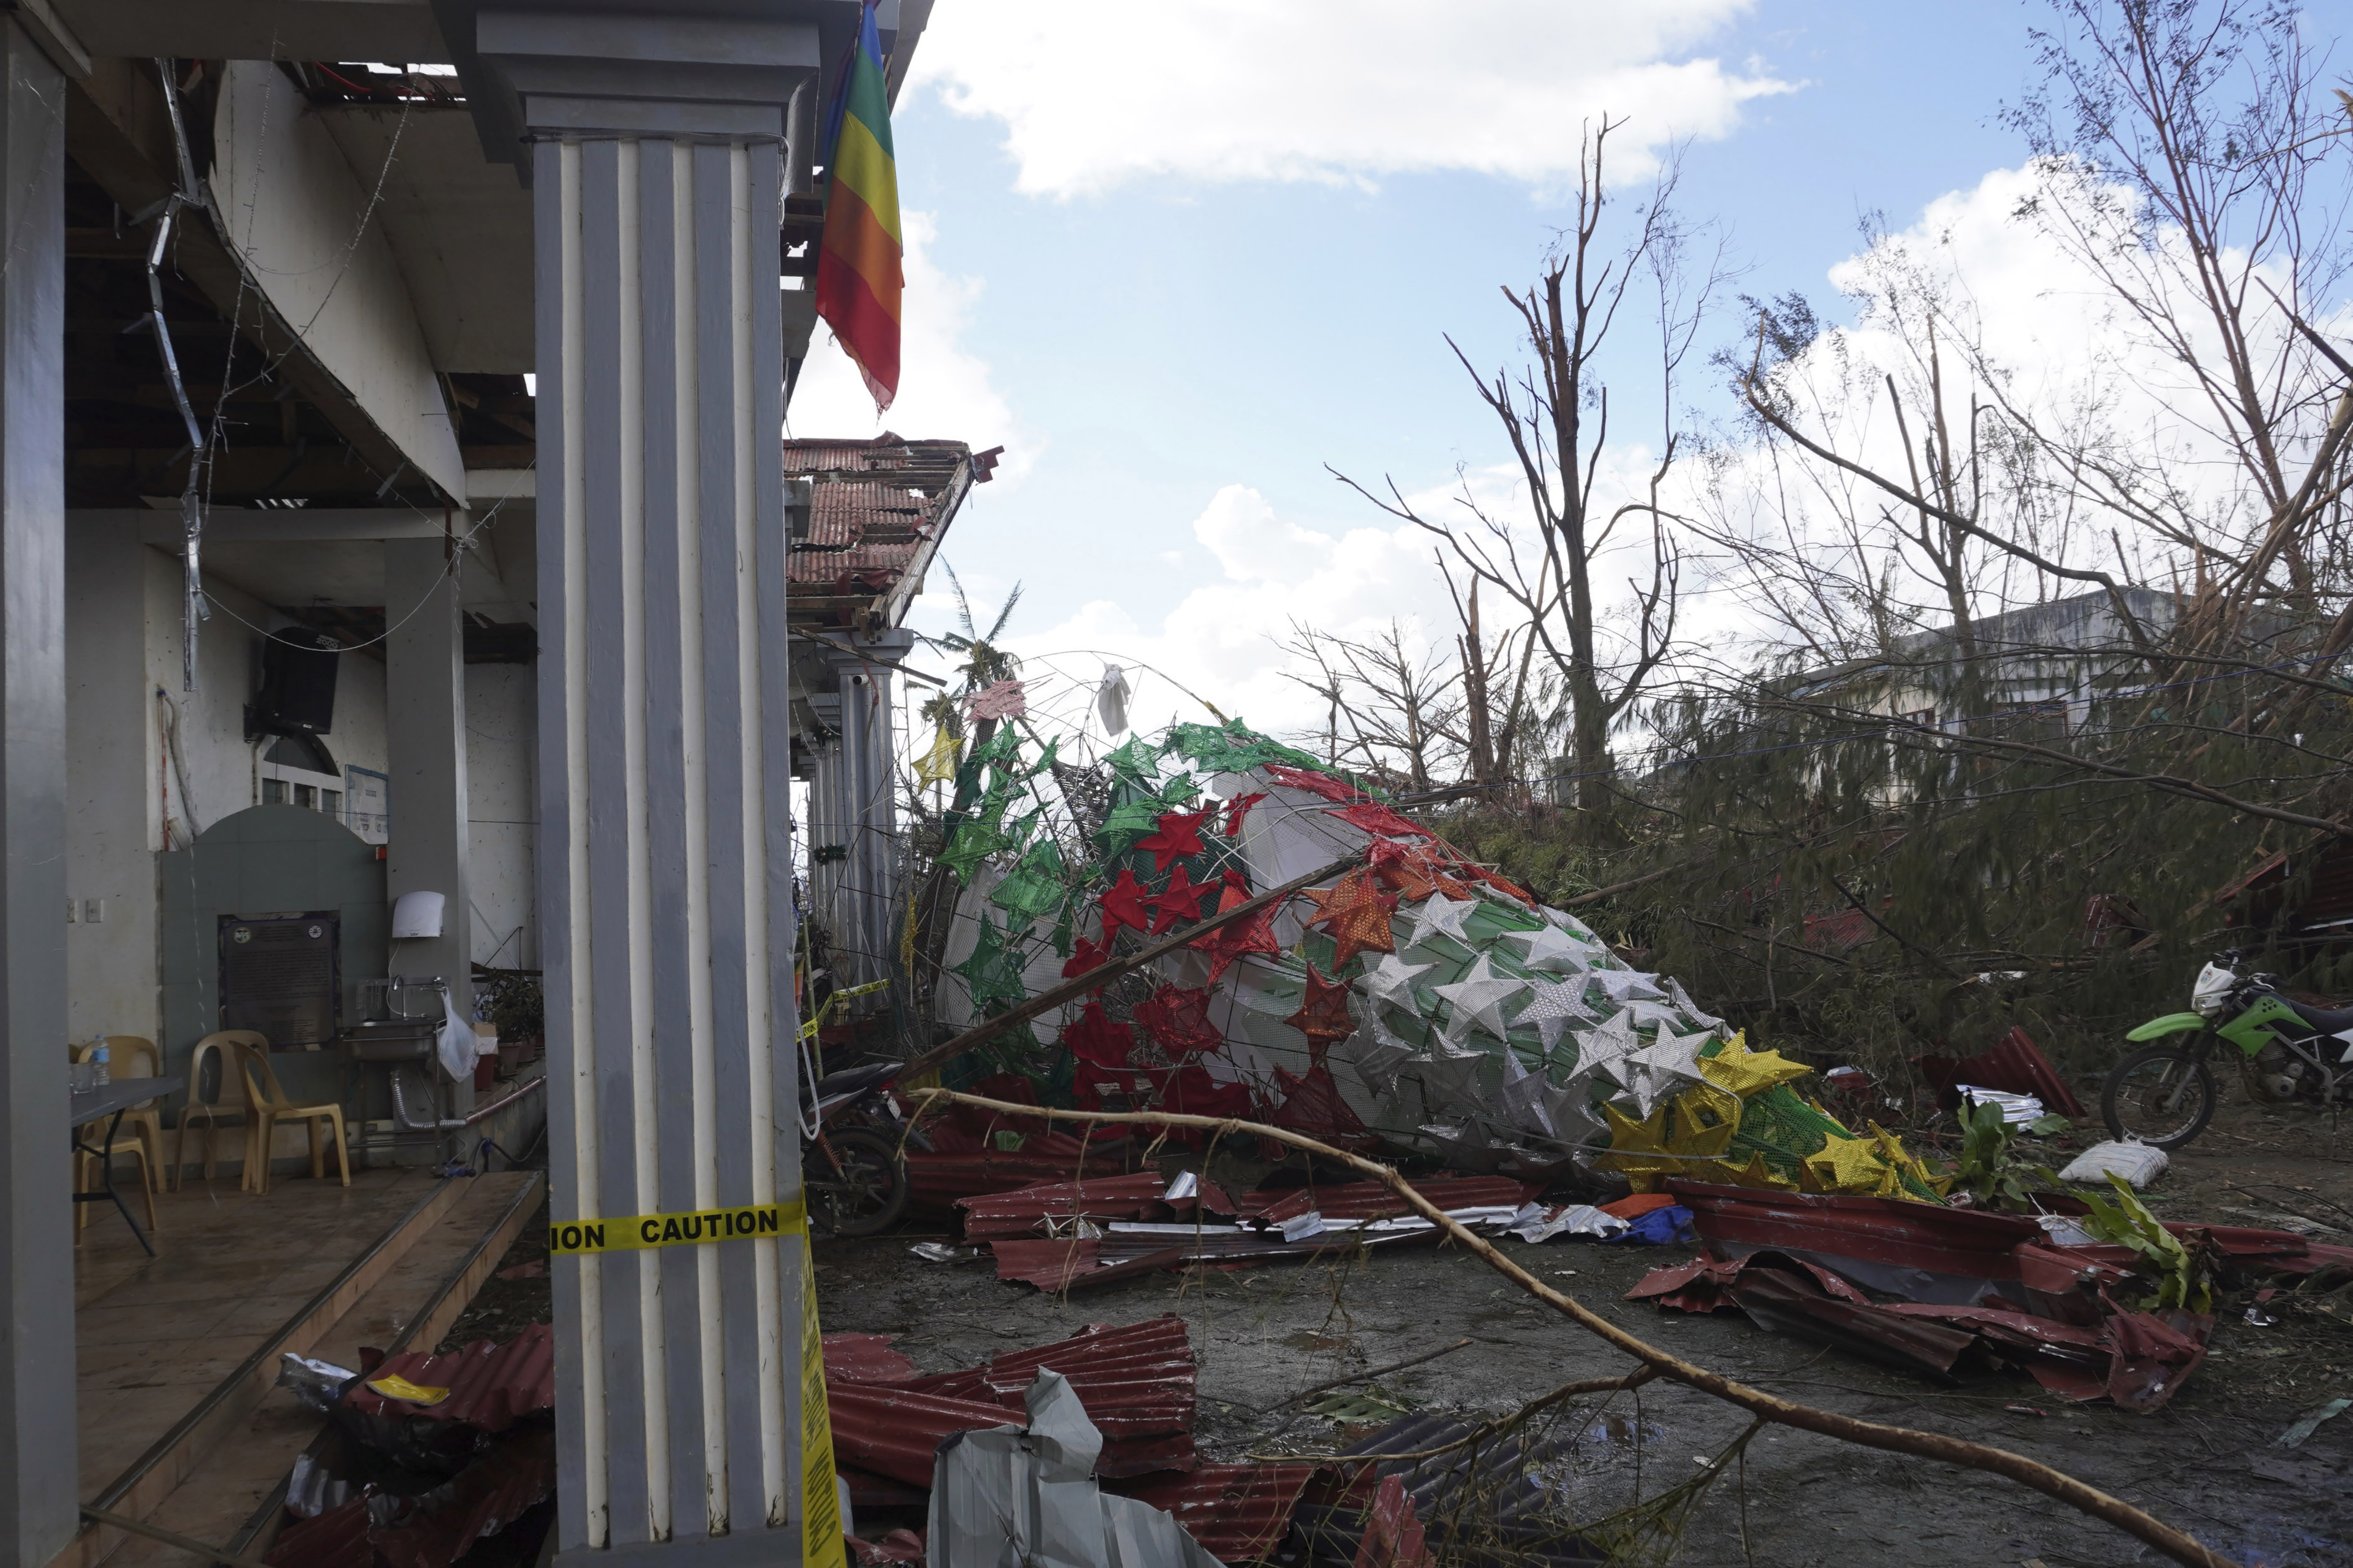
x=1093 y=1037
x=1373 y=817
x=1322 y=1015
x=1356 y=914
x=1252 y=933
x=1178 y=1021
x=1237 y=808
x=1179 y=836
x=1123 y=905
x=1179 y=900
x=1314 y=783
x=1086 y=954
x=1312 y=1104
x=1416 y=871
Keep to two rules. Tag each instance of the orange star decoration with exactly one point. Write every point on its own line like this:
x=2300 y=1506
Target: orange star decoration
x=1355 y=914
x=1416 y=872
x=1322 y=1015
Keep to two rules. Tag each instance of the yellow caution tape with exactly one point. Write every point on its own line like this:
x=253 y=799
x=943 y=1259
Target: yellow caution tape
x=408 y=1392
x=631 y=1233
x=821 y=1543
x=826 y=1012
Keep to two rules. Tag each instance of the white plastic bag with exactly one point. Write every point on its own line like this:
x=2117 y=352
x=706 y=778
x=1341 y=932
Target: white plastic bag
x=457 y=1042
x=2137 y=1164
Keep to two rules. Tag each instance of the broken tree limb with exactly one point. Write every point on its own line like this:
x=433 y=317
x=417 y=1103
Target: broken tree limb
x=1104 y=974
x=1370 y=1375
x=2052 y=1483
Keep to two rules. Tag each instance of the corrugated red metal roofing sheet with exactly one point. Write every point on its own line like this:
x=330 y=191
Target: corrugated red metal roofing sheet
x=490 y=1386
x=936 y=1179
x=895 y=1432
x=1023 y=1211
x=865 y=1358
x=337 y=1538
x=2015 y=1067
x=1962 y=1243
x=873 y=508
x=1373 y=1200
x=1136 y=1384
x=1238 y=1513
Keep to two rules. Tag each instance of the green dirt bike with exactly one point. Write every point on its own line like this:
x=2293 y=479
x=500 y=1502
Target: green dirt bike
x=2287 y=1051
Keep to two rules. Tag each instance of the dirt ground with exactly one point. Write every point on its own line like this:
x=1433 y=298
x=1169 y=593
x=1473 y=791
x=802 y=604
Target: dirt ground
x=2208 y=1463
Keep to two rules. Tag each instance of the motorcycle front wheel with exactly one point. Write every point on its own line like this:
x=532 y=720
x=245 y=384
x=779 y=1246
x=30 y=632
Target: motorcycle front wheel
x=2162 y=1096
x=868 y=1193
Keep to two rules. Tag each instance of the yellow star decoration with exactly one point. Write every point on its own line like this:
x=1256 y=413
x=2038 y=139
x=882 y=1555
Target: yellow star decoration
x=1753 y=1174
x=1705 y=1119
x=1902 y=1163
x=1745 y=1072
x=1846 y=1165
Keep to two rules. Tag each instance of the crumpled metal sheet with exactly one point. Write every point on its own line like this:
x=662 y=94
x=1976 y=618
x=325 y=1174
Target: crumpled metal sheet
x=1136 y=1384
x=936 y=1178
x=1023 y=1211
x=1240 y=1513
x=491 y=1387
x=434 y=1529
x=2139 y=1360
x=1393 y=1537
x=895 y=1432
x=1374 y=1200
x=2017 y=1066
x=865 y=1358
x=1026 y=1498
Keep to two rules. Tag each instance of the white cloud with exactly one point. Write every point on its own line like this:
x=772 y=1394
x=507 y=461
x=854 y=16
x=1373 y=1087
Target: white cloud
x=1220 y=638
x=1093 y=95
x=945 y=392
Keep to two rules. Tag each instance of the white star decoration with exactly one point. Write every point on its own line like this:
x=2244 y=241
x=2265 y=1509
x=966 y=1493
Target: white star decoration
x=1478 y=1000
x=1391 y=981
x=1691 y=1015
x=1555 y=950
x=1553 y=1005
x=1443 y=915
x=1624 y=985
x=1663 y=1070
x=1604 y=1049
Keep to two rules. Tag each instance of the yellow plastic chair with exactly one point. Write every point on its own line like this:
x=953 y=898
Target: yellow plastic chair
x=270 y=1106
x=221 y=1048
x=145 y=1145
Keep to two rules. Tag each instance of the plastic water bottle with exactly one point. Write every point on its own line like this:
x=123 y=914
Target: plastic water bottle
x=98 y=1060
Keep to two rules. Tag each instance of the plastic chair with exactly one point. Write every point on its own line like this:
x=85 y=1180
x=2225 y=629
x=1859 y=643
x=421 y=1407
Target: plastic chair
x=222 y=1047
x=145 y=1145
x=133 y=1057
x=270 y=1106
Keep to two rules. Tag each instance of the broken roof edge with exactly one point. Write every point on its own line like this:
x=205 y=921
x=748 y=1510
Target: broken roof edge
x=946 y=469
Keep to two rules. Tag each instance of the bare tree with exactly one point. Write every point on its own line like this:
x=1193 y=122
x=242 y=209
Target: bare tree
x=1394 y=711
x=1556 y=413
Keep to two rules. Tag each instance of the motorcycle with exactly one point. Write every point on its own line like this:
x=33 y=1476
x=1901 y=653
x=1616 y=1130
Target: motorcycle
x=2287 y=1051
x=853 y=1176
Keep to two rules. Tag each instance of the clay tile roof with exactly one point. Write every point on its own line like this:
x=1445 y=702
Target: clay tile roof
x=878 y=509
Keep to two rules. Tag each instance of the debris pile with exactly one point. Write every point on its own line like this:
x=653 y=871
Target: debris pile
x=1133 y=1388
x=1933 y=1289
x=1419 y=1004
x=425 y=1455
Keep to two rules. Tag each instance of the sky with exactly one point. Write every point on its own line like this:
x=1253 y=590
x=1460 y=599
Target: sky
x=1182 y=260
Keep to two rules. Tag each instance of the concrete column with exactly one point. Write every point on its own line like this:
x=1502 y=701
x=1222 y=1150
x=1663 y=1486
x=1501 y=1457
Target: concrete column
x=425 y=753
x=665 y=864
x=38 y=1440
x=864 y=911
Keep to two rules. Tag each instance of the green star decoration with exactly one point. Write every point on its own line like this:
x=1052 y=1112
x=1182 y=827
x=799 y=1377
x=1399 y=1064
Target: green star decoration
x=991 y=972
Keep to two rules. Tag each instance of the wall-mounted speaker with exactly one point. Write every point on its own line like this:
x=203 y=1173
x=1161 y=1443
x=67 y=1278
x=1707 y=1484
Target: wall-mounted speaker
x=298 y=684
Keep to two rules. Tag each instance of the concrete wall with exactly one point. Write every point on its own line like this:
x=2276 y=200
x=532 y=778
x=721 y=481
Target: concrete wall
x=123 y=646
x=501 y=738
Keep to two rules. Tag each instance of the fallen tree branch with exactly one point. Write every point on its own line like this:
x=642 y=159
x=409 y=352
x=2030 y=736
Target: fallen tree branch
x=2052 y=1483
x=1104 y=974
x=1368 y=1376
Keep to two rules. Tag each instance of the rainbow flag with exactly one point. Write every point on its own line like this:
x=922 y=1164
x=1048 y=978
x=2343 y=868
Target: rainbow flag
x=858 y=275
